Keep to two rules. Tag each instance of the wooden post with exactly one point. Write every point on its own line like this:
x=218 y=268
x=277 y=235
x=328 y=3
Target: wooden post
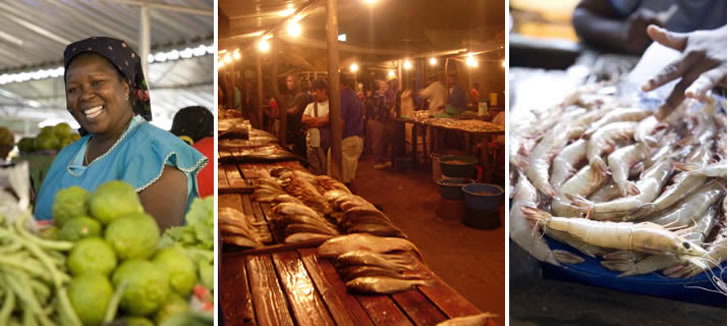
x=282 y=107
x=261 y=100
x=332 y=42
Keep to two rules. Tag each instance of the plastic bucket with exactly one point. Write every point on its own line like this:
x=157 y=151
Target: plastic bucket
x=436 y=172
x=452 y=188
x=458 y=166
x=483 y=196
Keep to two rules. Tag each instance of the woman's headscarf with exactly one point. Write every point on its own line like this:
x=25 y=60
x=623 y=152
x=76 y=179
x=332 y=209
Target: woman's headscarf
x=121 y=56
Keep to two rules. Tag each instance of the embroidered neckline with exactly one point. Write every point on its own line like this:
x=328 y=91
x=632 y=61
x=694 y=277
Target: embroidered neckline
x=135 y=122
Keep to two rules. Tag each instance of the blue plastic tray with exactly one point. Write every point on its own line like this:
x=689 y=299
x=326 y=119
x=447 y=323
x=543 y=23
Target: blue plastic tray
x=697 y=289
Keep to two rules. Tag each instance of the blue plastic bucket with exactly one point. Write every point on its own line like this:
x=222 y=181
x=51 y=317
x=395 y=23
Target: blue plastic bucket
x=452 y=188
x=483 y=196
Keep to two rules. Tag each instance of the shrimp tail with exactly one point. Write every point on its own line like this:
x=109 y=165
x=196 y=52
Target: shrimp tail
x=680 y=166
x=631 y=189
x=581 y=203
x=536 y=215
x=565 y=257
x=599 y=166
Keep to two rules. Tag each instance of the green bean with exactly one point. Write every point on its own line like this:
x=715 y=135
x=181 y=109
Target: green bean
x=21 y=285
x=28 y=318
x=114 y=302
x=66 y=310
x=38 y=253
x=24 y=265
x=45 y=244
x=41 y=290
x=10 y=248
x=8 y=304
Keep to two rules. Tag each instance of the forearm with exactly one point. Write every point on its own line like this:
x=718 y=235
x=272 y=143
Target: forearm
x=599 y=30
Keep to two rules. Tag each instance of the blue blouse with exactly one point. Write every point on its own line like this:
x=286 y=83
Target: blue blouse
x=137 y=158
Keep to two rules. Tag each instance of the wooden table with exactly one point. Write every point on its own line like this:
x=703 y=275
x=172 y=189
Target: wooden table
x=297 y=287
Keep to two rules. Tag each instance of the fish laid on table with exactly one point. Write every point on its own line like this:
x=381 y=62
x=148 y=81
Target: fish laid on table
x=351 y=272
x=388 y=261
x=383 y=284
x=305 y=236
x=294 y=209
x=361 y=241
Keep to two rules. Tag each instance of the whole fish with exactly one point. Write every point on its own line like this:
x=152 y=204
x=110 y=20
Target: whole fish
x=361 y=241
x=388 y=261
x=474 y=320
x=352 y=272
x=382 y=284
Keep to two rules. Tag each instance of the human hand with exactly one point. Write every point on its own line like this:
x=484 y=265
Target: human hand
x=635 y=38
x=701 y=66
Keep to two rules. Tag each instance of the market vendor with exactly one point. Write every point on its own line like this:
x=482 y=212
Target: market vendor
x=701 y=66
x=436 y=93
x=107 y=95
x=7 y=142
x=316 y=121
x=295 y=100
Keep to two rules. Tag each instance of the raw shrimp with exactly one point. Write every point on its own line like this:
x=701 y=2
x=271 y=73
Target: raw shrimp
x=687 y=211
x=606 y=193
x=616 y=115
x=584 y=183
x=715 y=256
x=642 y=237
x=649 y=187
x=604 y=140
x=646 y=128
x=565 y=164
x=670 y=196
x=540 y=160
x=583 y=247
x=521 y=230
x=621 y=161
x=716 y=170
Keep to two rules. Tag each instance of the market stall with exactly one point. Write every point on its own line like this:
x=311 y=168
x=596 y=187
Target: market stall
x=596 y=149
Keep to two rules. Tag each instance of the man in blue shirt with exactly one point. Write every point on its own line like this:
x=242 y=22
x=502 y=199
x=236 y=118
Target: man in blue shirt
x=457 y=93
x=352 y=142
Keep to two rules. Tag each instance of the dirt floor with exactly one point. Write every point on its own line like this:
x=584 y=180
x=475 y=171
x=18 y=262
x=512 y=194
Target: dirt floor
x=471 y=261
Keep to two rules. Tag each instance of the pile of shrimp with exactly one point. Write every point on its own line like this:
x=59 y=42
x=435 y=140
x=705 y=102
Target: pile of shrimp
x=610 y=180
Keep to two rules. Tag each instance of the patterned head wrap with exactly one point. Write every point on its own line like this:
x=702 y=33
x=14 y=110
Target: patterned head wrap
x=121 y=56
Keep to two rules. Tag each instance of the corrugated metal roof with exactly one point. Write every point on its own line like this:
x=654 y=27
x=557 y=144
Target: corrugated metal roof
x=34 y=33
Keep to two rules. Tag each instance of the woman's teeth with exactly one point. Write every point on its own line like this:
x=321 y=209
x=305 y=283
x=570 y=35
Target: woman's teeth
x=93 y=112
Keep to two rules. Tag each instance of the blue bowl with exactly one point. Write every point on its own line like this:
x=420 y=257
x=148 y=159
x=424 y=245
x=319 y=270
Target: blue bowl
x=452 y=188
x=483 y=196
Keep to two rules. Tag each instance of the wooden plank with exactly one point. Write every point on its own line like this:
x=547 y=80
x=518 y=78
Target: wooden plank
x=277 y=248
x=446 y=299
x=344 y=307
x=221 y=178
x=248 y=206
x=271 y=307
x=230 y=200
x=307 y=305
x=418 y=308
x=234 y=177
x=235 y=294
x=383 y=310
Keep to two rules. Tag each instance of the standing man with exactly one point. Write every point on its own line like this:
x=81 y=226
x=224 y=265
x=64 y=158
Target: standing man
x=316 y=120
x=436 y=93
x=378 y=114
x=457 y=93
x=352 y=142
x=295 y=102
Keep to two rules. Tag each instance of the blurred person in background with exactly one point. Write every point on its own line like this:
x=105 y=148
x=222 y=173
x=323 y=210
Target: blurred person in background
x=457 y=97
x=620 y=25
x=7 y=142
x=194 y=124
x=437 y=94
x=352 y=140
x=316 y=121
x=378 y=113
x=295 y=101
x=475 y=95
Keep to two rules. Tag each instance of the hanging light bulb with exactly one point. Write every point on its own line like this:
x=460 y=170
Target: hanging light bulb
x=354 y=67
x=236 y=54
x=407 y=64
x=433 y=61
x=294 y=28
x=263 y=45
x=228 y=58
x=390 y=74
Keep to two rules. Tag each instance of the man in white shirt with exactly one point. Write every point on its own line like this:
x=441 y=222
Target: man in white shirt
x=316 y=120
x=437 y=93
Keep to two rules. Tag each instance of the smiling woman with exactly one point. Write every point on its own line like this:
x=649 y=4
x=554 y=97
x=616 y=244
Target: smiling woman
x=107 y=95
